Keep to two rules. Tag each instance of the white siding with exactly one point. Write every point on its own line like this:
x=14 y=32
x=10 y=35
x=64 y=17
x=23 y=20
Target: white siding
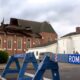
x=76 y=40
x=66 y=45
x=62 y=43
x=69 y=44
x=51 y=48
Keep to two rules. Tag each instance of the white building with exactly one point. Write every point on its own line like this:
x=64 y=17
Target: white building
x=69 y=43
x=44 y=48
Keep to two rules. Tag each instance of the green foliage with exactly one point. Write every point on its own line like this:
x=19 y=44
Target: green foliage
x=3 y=56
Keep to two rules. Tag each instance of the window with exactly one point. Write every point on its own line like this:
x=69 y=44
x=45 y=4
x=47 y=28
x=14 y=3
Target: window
x=19 y=43
x=0 y=43
x=28 y=43
x=9 y=43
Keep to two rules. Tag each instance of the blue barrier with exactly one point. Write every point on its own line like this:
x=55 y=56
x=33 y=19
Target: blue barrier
x=62 y=58
x=28 y=58
x=20 y=55
x=47 y=63
x=7 y=68
x=66 y=58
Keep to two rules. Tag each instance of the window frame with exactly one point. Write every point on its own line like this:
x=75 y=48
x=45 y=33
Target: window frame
x=9 y=38
x=29 y=44
x=19 y=38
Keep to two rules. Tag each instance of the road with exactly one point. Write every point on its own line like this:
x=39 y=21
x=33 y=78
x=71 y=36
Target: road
x=67 y=72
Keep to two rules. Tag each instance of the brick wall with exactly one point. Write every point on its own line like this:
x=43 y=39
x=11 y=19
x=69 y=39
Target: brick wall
x=46 y=37
x=34 y=41
x=14 y=38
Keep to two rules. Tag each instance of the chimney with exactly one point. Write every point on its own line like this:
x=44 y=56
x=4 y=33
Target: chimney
x=78 y=29
x=14 y=21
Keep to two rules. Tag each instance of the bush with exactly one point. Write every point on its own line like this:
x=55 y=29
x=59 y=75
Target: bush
x=3 y=56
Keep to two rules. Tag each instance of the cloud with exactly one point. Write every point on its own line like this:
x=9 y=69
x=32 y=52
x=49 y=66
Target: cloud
x=63 y=14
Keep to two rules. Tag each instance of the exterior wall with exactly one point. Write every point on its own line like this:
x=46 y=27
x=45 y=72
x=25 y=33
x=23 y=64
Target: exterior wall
x=4 y=43
x=35 y=42
x=46 y=37
x=76 y=44
x=69 y=44
x=52 y=48
x=64 y=45
x=61 y=45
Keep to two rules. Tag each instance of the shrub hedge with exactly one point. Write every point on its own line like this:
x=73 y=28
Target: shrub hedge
x=3 y=56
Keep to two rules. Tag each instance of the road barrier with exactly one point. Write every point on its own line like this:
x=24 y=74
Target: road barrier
x=48 y=62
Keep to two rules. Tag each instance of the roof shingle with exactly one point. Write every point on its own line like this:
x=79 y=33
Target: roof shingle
x=36 y=27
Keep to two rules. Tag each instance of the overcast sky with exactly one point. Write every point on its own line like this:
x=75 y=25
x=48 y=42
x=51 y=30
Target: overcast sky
x=63 y=15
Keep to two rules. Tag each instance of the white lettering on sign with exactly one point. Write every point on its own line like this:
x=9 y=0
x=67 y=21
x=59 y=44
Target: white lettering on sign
x=74 y=59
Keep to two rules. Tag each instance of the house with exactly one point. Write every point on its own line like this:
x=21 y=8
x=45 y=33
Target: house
x=20 y=35
x=70 y=43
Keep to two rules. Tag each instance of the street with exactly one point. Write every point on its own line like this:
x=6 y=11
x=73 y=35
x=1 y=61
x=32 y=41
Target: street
x=67 y=72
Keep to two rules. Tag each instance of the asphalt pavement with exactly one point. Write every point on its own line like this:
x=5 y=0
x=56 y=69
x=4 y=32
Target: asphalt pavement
x=66 y=71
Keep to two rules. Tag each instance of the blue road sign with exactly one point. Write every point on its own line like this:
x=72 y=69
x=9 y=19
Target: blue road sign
x=74 y=58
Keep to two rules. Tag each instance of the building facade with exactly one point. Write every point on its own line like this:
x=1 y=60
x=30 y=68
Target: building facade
x=67 y=44
x=70 y=43
x=20 y=35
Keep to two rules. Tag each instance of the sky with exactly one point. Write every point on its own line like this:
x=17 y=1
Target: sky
x=63 y=15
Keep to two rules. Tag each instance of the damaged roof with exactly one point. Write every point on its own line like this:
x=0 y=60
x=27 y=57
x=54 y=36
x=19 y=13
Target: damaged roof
x=37 y=27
